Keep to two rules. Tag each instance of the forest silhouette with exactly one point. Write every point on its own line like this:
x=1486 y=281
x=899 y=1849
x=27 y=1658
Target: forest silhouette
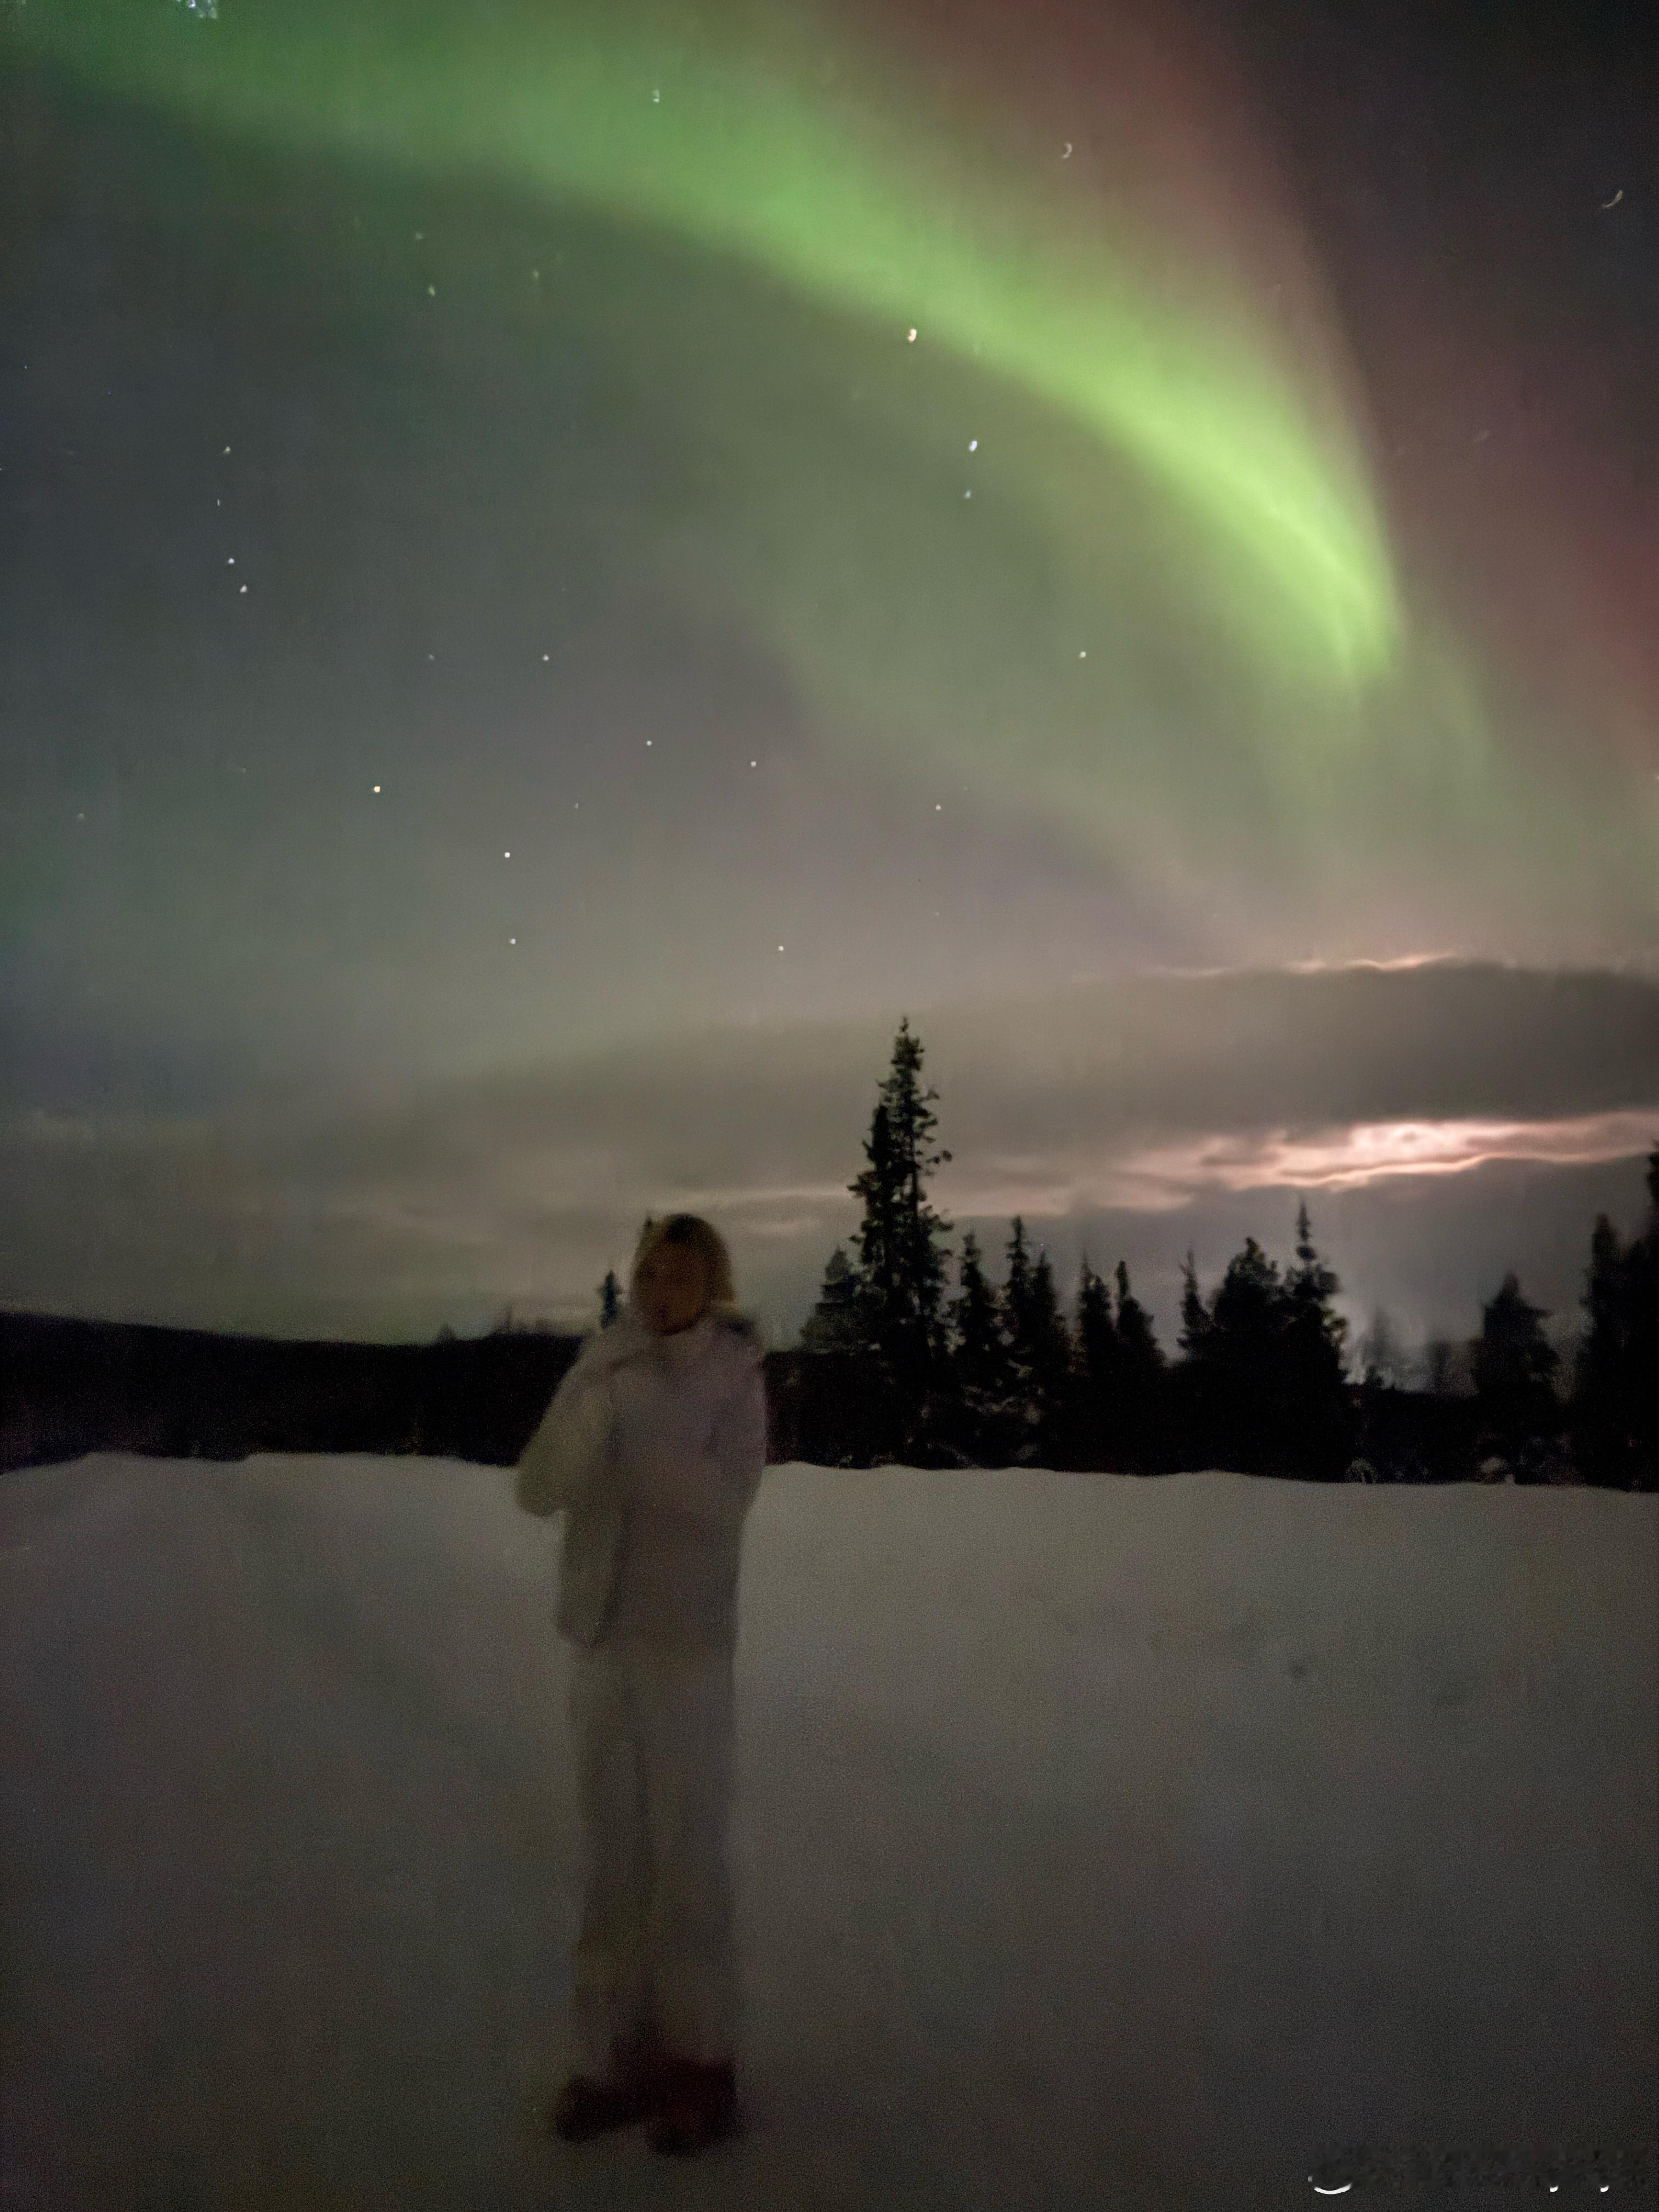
x=896 y=1365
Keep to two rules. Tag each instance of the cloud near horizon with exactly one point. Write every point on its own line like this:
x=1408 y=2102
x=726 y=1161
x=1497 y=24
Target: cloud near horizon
x=1146 y=1095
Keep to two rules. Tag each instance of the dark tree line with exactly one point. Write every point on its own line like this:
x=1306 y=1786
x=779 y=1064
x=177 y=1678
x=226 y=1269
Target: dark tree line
x=1615 y=1411
x=1000 y=1375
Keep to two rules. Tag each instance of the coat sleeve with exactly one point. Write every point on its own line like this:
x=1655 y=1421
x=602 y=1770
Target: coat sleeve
x=717 y=1484
x=562 y=1461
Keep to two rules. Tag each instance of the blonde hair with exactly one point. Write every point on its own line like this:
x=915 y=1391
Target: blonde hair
x=691 y=1231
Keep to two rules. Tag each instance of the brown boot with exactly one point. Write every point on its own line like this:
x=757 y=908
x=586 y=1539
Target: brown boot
x=588 y=2106
x=696 y=2105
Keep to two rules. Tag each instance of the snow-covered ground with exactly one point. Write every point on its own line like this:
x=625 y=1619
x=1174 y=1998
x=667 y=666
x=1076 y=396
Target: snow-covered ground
x=1100 y=1842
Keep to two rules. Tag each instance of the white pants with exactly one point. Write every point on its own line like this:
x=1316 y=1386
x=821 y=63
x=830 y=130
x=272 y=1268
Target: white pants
x=652 y=1731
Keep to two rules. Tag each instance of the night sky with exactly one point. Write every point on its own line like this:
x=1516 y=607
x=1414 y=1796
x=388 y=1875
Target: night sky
x=565 y=566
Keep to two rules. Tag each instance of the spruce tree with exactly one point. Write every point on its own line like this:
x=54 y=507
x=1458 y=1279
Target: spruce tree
x=1314 y=1417
x=1309 y=1289
x=1097 y=1346
x=1143 y=1377
x=1049 y=1345
x=1514 y=1364
x=1015 y=1312
x=977 y=1354
x=1142 y=1359
x=1642 y=1355
x=902 y=1276
x=1244 y=1355
x=610 y=1298
x=1602 y=1361
x=835 y=1322
x=1098 y=1368
x=877 y=1235
x=1196 y=1328
x=1615 y=1420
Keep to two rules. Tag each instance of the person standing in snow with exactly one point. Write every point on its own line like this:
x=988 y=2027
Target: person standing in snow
x=653 y=1446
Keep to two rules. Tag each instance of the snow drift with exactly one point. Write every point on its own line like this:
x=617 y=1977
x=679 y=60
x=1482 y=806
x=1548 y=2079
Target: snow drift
x=1099 y=1841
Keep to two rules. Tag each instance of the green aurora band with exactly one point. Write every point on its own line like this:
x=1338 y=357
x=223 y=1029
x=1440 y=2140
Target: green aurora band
x=1156 y=614
x=778 y=143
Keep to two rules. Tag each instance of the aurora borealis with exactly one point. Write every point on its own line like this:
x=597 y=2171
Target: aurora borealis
x=1150 y=494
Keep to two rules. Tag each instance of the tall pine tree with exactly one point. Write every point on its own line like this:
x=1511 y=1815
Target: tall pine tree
x=1195 y=1324
x=1514 y=1366
x=902 y=1270
x=1015 y=1312
x=1048 y=1351
x=1615 y=1417
x=835 y=1322
x=1235 y=1353
x=1097 y=1371
x=977 y=1354
x=1096 y=1349
x=1142 y=1357
x=1143 y=1379
x=1316 y=1418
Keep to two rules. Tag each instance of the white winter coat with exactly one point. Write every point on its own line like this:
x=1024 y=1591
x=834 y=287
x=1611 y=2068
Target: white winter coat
x=653 y=1447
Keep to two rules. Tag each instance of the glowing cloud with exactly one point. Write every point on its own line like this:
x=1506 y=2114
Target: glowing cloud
x=1345 y=1159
